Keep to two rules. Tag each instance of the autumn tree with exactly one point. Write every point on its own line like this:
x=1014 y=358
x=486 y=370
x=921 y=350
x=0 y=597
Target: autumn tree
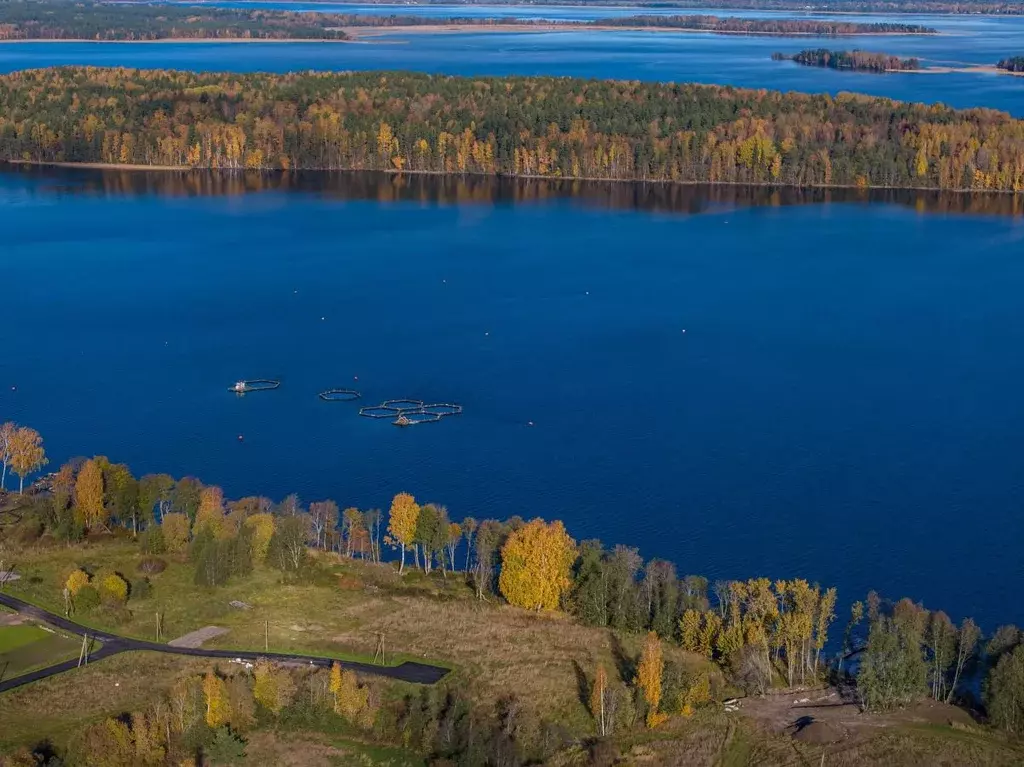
x=689 y=631
x=273 y=688
x=262 y=526
x=469 y=526
x=536 y=562
x=26 y=454
x=113 y=589
x=210 y=513
x=177 y=532
x=648 y=677
x=89 y=508
x=217 y=705
x=76 y=581
x=1003 y=692
x=402 y=520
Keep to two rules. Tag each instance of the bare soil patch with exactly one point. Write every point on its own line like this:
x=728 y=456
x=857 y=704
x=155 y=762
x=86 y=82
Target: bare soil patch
x=195 y=639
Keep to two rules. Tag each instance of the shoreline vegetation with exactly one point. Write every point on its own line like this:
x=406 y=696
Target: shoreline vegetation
x=1013 y=64
x=601 y=644
x=831 y=7
x=502 y=126
x=39 y=20
x=856 y=61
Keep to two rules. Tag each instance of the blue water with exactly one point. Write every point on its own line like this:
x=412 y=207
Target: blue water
x=665 y=56
x=844 y=405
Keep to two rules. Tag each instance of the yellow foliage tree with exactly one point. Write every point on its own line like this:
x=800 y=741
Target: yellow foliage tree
x=76 y=581
x=697 y=694
x=648 y=677
x=210 y=515
x=709 y=631
x=216 y=695
x=272 y=688
x=24 y=453
x=114 y=589
x=349 y=698
x=402 y=519
x=176 y=531
x=89 y=508
x=689 y=631
x=262 y=526
x=536 y=563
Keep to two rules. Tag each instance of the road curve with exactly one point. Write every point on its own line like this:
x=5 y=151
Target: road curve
x=409 y=671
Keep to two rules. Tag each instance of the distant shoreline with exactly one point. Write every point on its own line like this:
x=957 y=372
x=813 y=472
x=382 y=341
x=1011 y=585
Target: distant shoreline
x=355 y=33
x=527 y=177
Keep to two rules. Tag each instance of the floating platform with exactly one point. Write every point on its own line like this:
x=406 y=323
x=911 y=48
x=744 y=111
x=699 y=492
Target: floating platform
x=339 y=395
x=255 y=384
x=415 y=417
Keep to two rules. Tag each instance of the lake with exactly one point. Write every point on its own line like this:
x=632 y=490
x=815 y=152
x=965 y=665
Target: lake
x=644 y=55
x=844 y=404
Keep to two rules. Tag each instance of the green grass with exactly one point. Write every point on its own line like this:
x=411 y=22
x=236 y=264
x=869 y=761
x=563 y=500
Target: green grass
x=13 y=637
x=27 y=648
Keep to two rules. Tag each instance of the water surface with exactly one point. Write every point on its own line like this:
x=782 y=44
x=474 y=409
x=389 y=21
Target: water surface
x=843 y=405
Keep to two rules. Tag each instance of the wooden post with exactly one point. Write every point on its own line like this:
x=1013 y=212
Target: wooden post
x=84 y=652
x=266 y=636
x=379 y=650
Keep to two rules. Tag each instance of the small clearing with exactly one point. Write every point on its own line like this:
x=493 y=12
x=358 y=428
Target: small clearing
x=195 y=639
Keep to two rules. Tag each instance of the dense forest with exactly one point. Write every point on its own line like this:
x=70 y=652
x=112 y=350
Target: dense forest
x=860 y=61
x=777 y=27
x=545 y=127
x=991 y=7
x=1012 y=64
x=758 y=633
x=63 y=20
x=56 y=20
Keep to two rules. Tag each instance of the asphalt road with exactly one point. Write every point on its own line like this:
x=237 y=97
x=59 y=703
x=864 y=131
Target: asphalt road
x=418 y=673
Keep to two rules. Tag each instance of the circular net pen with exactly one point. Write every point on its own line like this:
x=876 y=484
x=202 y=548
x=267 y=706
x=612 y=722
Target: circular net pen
x=442 y=409
x=379 y=411
x=255 y=384
x=339 y=395
x=402 y=405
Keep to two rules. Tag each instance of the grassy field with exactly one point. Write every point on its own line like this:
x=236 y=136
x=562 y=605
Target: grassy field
x=27 y=647
x=493 y=650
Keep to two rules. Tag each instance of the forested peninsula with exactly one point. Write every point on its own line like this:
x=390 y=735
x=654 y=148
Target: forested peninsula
x=952 y=7
x=62 y=20
x=516 y=126
x=858 y=61
x=1012 y=64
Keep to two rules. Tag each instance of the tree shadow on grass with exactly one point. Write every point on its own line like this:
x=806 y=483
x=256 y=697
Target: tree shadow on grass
x=625 y=664
x=582 y=684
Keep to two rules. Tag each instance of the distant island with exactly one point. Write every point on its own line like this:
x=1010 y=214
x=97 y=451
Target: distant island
x=736 y=25
x=539 y=127
x=124 y=22
x=1013 y=64
x=858 y=61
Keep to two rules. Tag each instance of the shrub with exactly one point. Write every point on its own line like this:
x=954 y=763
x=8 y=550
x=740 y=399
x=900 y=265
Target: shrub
x=113 y=590
x=87 y=599
x=152 y=565
x=140 y=588
x=77 y=580
x=153 y=541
